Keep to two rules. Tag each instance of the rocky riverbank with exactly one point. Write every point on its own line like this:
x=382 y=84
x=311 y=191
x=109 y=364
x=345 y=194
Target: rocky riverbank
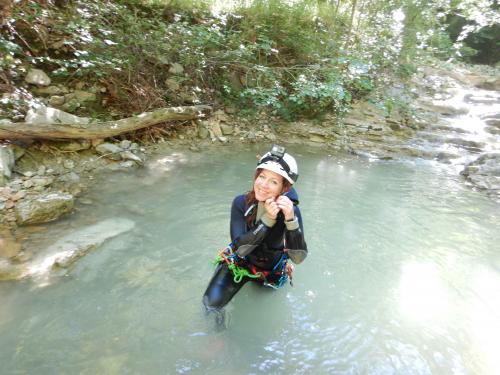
x=455 y=120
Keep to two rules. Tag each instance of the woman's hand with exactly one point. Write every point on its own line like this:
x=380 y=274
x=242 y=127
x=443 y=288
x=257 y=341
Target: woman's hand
x=286 y=205
x=271 y=208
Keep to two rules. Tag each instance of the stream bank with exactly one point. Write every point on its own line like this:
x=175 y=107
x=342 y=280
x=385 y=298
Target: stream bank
x=456 y=122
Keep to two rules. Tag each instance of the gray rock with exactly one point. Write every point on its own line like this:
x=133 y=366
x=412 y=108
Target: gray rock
x=41 y=170
x=84 y=144
x=80 y=96
x=37 y=77
x=109 y=150
x=128 y=155
x=70 y=177
x=9 y=271
x=203 y=132
x=7 y=161
x=226 y=129
x=172 y=84
x=44 y=208
x=484 y=172
x=48 y=115
x=176 y=68
x=56 y=101
x=51 y=90
x=42 y=181
x=73 y=246
x=68 y=164
x=125 y=144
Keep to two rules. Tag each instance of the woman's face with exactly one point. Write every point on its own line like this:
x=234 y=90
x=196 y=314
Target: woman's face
x=267 y=185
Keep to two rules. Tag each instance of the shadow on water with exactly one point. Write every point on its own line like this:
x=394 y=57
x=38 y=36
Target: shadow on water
x=403 y=277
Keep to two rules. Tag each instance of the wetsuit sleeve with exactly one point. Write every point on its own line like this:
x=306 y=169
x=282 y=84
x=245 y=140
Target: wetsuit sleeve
x=294 y=239
x=245 y=241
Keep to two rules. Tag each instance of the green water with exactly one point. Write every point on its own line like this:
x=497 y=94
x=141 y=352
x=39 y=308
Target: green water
x=403 y=277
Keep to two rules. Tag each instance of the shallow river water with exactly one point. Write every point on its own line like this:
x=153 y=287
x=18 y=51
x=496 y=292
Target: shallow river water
x=403 y=277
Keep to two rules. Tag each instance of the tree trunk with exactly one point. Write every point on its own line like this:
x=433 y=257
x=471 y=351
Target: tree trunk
x=22 y=130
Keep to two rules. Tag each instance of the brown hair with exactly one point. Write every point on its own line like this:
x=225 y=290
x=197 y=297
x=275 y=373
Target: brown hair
x=250 y=197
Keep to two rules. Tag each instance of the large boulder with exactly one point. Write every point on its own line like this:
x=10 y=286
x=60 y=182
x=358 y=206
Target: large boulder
x=44 y=208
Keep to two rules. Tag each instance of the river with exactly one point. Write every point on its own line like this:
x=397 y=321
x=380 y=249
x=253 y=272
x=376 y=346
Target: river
x=403 y=276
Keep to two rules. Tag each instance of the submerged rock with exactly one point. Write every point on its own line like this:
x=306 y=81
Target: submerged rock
x=44 y=208
x=66 y=250
x=76 y=244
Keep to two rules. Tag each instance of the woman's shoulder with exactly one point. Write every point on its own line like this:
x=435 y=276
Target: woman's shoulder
x=239 y=200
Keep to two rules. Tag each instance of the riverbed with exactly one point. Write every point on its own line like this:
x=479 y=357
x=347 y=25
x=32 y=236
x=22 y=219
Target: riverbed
x=403 y=276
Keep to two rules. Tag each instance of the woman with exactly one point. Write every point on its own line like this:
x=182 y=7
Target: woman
x=266 y=230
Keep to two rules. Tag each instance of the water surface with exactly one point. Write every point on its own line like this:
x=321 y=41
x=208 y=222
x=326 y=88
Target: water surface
x=403 y=277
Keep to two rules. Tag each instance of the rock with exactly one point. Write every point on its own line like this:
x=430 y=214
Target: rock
x=28 y=184
x=226 y=129
x=51 y=90
x=251 y=135
x=271 y=137
x=489 y=84
x=176 y=68
x=56 y=101
x=69 y=248
x=48 y=115
x=70 y=177
x=477 y=99
x=37 y=77
x=9 y=247
x=80 y=96
x=484 y=172
x=41 y=170
x=9 y=271
x=215 y=128
x=71 y=105
x=172 y=84
x=74 y=146
x=109 y=150
x=7 y=160
x=129 y=155
x=44 y=208
x=125 y=144
x=42 y=181
x=317 y=138
x=223 y=139
x=203 y=132
x=68 y=164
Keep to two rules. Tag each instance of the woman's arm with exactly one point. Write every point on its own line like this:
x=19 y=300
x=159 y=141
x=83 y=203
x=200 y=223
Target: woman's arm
x=245 y=241
x=294 y=238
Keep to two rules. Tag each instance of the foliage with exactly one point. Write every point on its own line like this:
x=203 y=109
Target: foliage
x=300 y=58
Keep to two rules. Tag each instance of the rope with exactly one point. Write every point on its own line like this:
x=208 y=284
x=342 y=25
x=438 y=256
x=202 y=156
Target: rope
x=226 y=255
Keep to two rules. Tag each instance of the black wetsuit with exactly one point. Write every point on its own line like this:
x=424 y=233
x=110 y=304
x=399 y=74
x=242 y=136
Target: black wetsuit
x=261 y=245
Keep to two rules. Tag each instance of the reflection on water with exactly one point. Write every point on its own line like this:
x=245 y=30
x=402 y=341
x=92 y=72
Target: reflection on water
x=402 y=277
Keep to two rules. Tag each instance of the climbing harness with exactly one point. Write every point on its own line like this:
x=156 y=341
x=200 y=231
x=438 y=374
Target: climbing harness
x=235 y=263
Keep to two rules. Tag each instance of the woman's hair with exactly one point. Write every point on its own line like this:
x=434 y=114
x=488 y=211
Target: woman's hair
x=250 y=197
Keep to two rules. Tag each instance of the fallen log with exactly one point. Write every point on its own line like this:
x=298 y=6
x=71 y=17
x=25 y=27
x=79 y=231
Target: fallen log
x=95 y=130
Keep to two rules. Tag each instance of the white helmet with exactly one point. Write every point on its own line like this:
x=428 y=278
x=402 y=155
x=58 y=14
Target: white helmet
x=278 y=161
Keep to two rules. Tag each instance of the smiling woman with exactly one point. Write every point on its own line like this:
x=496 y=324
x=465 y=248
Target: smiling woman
x=266 y=231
